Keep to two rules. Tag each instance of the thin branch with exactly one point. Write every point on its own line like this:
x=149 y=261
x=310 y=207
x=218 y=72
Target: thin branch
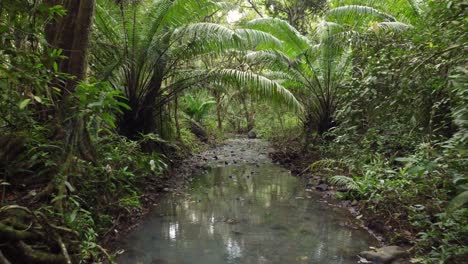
x=254 y=7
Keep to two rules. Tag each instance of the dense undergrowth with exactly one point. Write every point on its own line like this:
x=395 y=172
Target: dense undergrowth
x=399 y=146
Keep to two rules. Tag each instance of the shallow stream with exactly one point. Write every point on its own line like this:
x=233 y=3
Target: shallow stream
x=246 y=213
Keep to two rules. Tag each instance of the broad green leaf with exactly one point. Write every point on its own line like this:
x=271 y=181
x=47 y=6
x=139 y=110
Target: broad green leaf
x=24 y=103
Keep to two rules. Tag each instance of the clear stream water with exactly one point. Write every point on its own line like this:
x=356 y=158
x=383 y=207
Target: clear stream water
x=246 y=214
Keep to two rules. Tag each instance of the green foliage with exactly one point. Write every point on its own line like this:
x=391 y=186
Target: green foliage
x=447 y=238
x=298 y=13
x=382 y=83
x=345 y=182
x=152 y=63
x=100 y=102
x=197 y=108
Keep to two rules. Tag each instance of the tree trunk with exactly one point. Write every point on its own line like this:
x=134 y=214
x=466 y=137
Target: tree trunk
x=176 y=116
x=219 y=110
x=141 y=119
x=71 y=34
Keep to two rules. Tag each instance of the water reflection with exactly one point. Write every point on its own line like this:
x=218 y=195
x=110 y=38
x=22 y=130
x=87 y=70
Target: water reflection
x=173 y=231
x=246 y=214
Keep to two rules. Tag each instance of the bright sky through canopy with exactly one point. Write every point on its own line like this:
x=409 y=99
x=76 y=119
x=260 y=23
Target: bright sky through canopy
x=234 y=16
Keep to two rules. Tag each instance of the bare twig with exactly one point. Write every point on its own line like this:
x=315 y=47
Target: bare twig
x=254 y=7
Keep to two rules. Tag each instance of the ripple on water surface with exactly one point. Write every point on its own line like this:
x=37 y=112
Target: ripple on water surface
x=246 y=215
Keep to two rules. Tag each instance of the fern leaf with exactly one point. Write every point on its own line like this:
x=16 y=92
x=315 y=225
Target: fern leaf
x=344 y=181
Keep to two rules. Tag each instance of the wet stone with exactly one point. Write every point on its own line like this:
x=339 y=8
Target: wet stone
x=385 y=255
x=322 y=187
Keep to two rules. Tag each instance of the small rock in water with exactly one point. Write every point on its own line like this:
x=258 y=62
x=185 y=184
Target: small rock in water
x=322 y=187
x=226 y=162
x=231 y=221
x=252 y=134
x=385 y=254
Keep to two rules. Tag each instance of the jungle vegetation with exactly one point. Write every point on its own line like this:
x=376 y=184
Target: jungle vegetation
x=100 y=98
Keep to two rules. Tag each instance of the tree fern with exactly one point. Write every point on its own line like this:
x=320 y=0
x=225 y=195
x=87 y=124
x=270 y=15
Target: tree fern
x=392 y=26
x=344 y=181
x=352 y=12
x=155 y=51
x=293 y=41
x=257 y=84
x=326 y=164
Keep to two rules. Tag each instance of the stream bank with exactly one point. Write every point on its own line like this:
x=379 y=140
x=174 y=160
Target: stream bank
x=289 y=153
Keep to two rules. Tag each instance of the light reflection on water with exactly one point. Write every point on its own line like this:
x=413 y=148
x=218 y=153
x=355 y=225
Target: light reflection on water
x=246 y=215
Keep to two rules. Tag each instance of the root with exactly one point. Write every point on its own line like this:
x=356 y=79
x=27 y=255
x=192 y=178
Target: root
x=64 y=250
x=38 y=257
x=21 y=242
x=10 y=234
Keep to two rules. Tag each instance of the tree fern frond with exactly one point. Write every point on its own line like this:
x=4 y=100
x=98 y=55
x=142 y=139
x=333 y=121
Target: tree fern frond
x=259 y=85
x=392 y=26
x=355 y=11
x=326 y=164
x=205 y=30
x=258 y=39
x=293 y=41
x=344 y=181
